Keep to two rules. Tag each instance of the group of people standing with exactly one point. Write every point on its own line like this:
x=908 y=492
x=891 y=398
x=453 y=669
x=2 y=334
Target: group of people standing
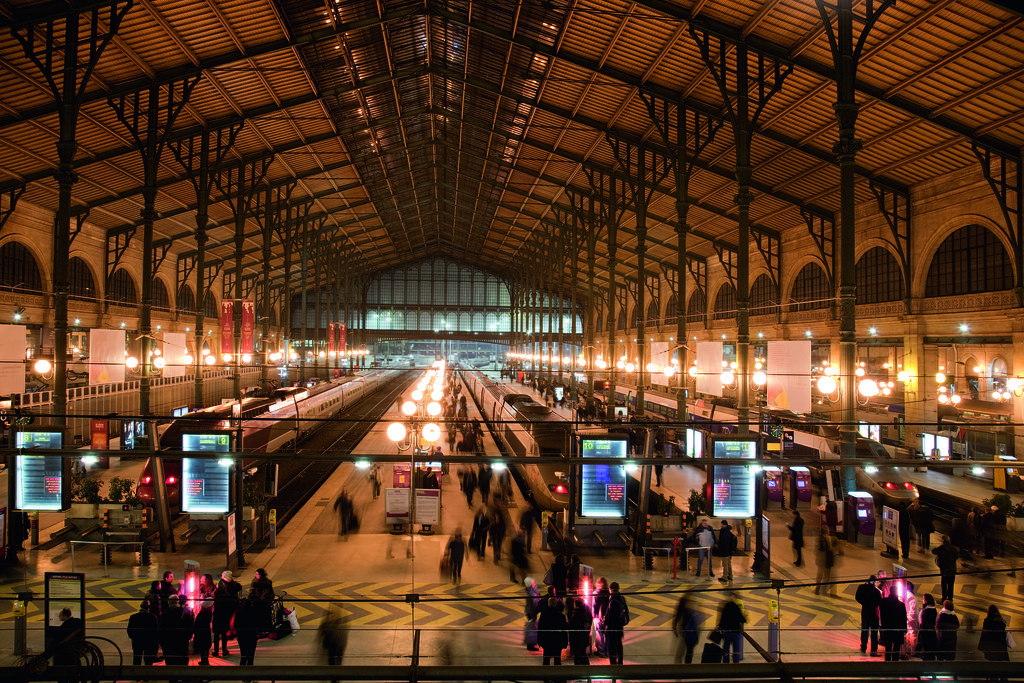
x=169 y=621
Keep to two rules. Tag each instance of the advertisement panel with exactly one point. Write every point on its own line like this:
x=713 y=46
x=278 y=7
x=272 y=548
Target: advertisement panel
x=733 y=487
x=39 y=479
x=341 y=338
x=174 y=355
x=789 y=375
x=205 y=485
x=227 y=325
x=12 y=359
x=106 y=356
x=709 y=368
x=330 y=339
x=248 y=326
x=603 y=487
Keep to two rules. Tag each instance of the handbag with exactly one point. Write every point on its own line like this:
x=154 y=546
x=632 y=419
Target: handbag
x=549 y=579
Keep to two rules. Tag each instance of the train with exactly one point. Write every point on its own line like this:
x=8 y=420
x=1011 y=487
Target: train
x=268 y=424
x=811 y=438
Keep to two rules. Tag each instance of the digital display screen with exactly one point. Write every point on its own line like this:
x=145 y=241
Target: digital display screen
x=205 y=485
x=133 y=435
x=219 y=442
x=604 y=486
x=733 y=486
x=862 y=514
x=559 y=393
x=178 y=412
x=40 y=478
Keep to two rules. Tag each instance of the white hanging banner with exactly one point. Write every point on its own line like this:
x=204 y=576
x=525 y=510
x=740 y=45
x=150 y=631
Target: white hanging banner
x=106 y=356
x=174 y=351
x=709 y=368
x=789 y=375
x=12 y=359
x=659 y=354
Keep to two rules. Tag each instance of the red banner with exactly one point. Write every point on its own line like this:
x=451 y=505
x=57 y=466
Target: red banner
x=98 y=432
x=227 y=326
x=341 y=338
x=330 y=339
x=248 y=325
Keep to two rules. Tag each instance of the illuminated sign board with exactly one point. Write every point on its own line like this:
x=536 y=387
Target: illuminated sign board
x=39 y=485
x=604 y=486
x=205 y=482
x=133 y=435
x=733 y=487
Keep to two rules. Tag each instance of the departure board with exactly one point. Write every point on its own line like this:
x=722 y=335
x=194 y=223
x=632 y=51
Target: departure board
x=40 y=478
x=205 y=483
x=604 y=486
x=733 y=487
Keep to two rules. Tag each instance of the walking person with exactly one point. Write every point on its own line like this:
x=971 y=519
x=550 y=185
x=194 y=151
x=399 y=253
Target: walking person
x=144 y=632
x=869 y=597
x=705 y=541
x=903 y=525
x=892 y=619
x=478 y=536
x=615 y=620
x=551 y=633
x=730 y=624
x=993 y=643
x=927 y=641
x=497 y=531
x=946 y=626
x=225 y=602
x=581 y=621
x=333 y=636
x=924 y=527
x=796 y=535
x=826 y=560
x=684 y=626
x=945 y=557
x=456 y=553
x=469 y=484
x=726 y=546
x=517 y=556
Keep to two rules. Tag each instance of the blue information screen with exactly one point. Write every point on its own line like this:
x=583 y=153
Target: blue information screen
x=205 y=482
x=604 y=486
x=733 y=487
x=40 y=478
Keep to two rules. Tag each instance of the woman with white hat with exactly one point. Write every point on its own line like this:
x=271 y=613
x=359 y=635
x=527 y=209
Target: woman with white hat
x=225 y=602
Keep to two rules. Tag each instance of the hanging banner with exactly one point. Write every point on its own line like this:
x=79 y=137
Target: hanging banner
x=709 y=368
x=98 y=433
x=330 y=339
x=341 y=339
x=174 y=355
x=227 y=325
x=12 y=359
x=789 y=375
x=106 y=356
x=248 y=325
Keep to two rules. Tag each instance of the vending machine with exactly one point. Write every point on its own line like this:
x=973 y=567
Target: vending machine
x=860 y=511
x=773 y=497
x=799 y=488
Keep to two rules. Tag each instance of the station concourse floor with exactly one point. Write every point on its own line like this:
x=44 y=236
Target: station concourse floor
x=370 y=573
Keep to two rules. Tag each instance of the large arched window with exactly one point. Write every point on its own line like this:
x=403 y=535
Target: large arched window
x=18 y=269
x=210 y=307
x=161 y=299
x=653 y=319
x=80 y=283
x=122 y=289
x=622 y=318
x=725 y=302
x=186 y=300
x=969 y=261
x=598 y=319
x=810 y=290
x=634 y=320
x=879 y=278
x=762 y=296
x=671 y=309
x=697 y=308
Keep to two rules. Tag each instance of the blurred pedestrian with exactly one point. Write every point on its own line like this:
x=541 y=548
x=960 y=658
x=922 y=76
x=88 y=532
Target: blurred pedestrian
x=730 y=624
x=531 y=610
x=796 y=535
x=726 y=546
x=551 y=633
x=826 y=560
x=455 y=552
x=529 y=518
x=946 y=626
x=225 y=602
x=868 y=596
x=144 y=632
x=517 y=556
x=478 y=536
x=469 y=484
x=684 y=626
x=333 y=636
x=497 y=530
x=924 y=527
x=346 y=513
x=993 y=641
x=581 y=622
x=927 y=642
x=945 y=557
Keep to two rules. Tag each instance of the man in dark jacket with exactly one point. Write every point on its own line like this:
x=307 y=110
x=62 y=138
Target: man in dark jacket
x=144 y=632
x=726 y=546
x=945 y=557
x=730 y=624
x=551 y=633
x=580 y=623
x=892 y=618
x=616 y=617
x=176 y=626
x=869 y=597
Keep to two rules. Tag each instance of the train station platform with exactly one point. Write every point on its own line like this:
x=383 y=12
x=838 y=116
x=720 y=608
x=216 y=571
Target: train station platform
x=395 y=599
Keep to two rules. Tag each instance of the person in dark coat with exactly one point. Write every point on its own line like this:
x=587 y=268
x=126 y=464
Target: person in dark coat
x=572 y=575
x=167 y=588
x=483 y=480
x=992 y=642
x=154 y=599
x=616 y=617
x=70 y=634
x=726 y=547
x=518 y=559
x=601 y=597
x=892 y=620
x=202 y=636
x=927 y=644
x=559 y=576
x=730 y=624
x=469 y=485
x=796 y=535
x=924 y=527
x=262 y=591
x=247 y=623
x=456 y=553
x=497 y=531
x=529 y=518
x=945 y=557
x=144 y=632
x=333 y=636
x=551 y=633
x=684 y=626
x=713 y=652
x=176 y=626
x=946 y=626
x=580 y=623
x=868 y=596
x=225 y=602
x=903 y=526
x=478 y=536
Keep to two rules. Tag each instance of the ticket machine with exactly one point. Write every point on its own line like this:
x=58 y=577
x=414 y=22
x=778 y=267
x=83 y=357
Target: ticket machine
x=799 y=488
x=860 y=511
x=773 y=497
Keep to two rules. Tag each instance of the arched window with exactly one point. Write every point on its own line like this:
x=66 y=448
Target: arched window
x=969 y=261
x=653 y=319
x=622 y=318
x=18 y=269
x=186 y=300
x=80 y=283
x=597 y=323
x=671 y=309
x=725 y=302
x=273 y=317
x=810 y=290
x=763 y=300
x=122 y=289
x=210 y=307
x=697 y=308
x=971 y=376
x=878 y=277
x=634 y=320
x=161 y=299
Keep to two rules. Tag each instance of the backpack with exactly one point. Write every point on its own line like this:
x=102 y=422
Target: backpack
x=617 y=615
